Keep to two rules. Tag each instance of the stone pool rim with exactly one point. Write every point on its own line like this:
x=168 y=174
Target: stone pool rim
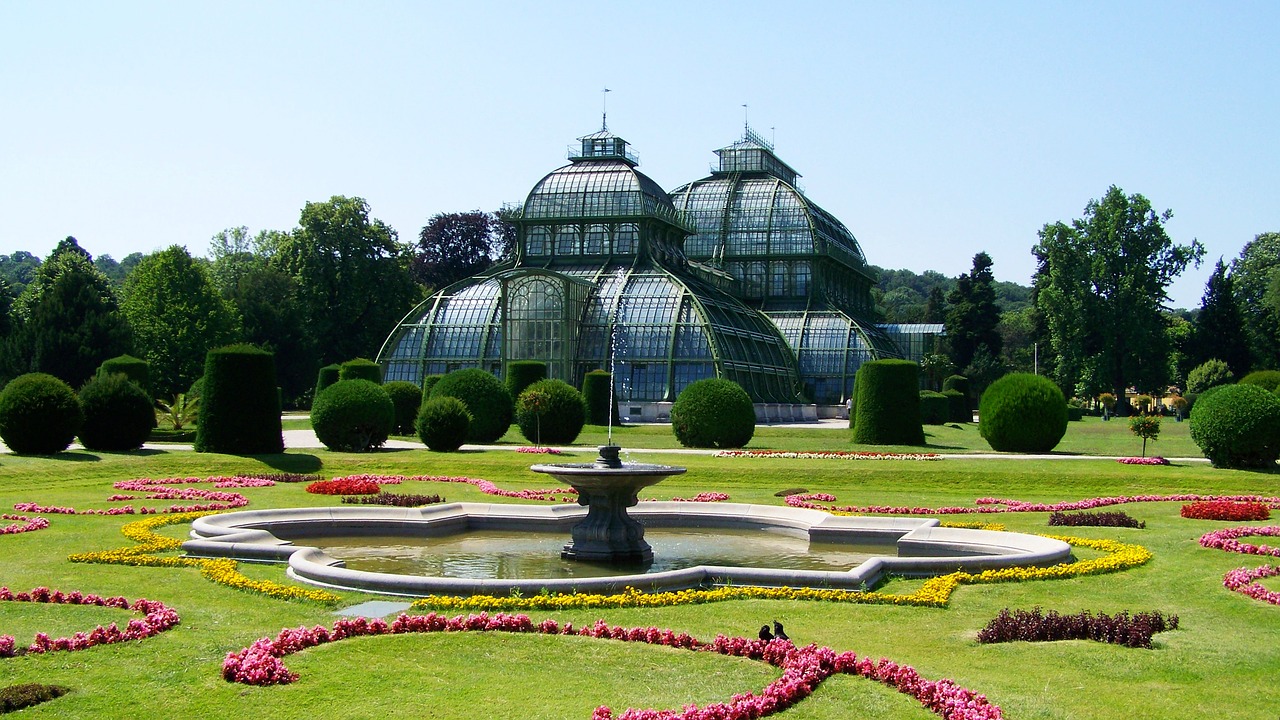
x=924 y=547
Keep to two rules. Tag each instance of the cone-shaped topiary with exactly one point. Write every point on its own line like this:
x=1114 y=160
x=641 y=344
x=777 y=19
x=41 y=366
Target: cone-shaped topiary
x=136 y=369
x=360 y=369
x=1022 y=412
x=523 y=373
x=1237 y=426
x=595 y=392
x=551 y=411
x=486 y=399
x=887 y=404
x=713 y=413
x=935 y=408
x=407 y=398
x=239 y=405
x=39 y=414
x=118 y=414
x=442 y=423
x=353 y=416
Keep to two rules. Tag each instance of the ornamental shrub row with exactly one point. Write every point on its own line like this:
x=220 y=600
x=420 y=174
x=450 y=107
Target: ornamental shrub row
x=393 y=499
x=1036 y=626
x=1095 y=519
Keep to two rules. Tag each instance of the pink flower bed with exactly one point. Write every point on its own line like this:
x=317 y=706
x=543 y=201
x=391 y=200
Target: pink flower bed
x=22 y=523
x=998 y=505
x=1143 y=461
x=803 y=669
x=1226 y=510
x=1245 y=582
x=239 y=481
x=539 y=451
x=704 y=497
x=157 y=618
x=828 y=455
x=1226 y=539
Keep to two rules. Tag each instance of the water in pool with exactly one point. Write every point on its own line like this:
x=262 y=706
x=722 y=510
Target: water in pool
x=512 y=554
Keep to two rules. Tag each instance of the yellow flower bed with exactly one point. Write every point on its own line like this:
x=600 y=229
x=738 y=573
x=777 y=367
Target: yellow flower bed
x=221 y=570
x=935 y=592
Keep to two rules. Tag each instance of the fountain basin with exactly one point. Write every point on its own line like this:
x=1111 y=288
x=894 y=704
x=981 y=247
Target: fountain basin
x=923 y=547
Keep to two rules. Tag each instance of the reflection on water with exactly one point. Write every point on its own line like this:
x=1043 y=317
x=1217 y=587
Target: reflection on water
x=512 y=554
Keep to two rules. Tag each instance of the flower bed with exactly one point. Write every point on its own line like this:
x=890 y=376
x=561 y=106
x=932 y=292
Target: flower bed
x=1245 y=582
x=998 y=505
x=1098 y=519
x=394 y=499
x=803 y=669
x=704 y=497
x=1154 y=460
x=1226 y=539
x=1035 y=626
x=538 y=450
x=157 y=618
x=164 y=490
x=22 y=523
x=1226 y=510
x=219 y=481
x=935 y=592
x=220 y=570
x=344 y=486
x=828 y=455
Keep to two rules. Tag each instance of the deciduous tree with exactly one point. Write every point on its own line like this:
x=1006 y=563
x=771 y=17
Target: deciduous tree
x=1255 y=270
x=453 y=246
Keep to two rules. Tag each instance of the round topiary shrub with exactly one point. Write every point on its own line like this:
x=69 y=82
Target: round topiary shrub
x=136 y=369
x=118 y=414
x=1237 y=426
x=1268 y=380
x=443 y=423
x=887 y=404
x=407 y=398
x=486 y=399
x=523 y=373
x=595 y=391
x=360 y=369
x=239 y=405
x=713 y=413
x=935 y=408
x=353 y=416
x=551 y=411
x=1022 y=412
x=39 y=415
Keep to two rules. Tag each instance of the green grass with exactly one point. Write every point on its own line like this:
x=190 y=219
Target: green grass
x=1221 y=663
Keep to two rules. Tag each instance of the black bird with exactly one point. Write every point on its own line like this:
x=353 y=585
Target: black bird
x=778 y=632
x=765 y=635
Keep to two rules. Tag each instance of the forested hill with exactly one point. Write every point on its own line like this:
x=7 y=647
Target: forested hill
x=902 y=295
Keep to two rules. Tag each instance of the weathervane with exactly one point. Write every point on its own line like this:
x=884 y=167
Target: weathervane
x=604 y=109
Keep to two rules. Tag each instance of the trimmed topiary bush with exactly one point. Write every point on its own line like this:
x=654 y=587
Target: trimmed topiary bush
x=935 y=408
x=239 y=406
x=595 y=392
x=429 y=383
x=353 y=416
x=136 y=369
x=957 y=406
x=1268 y=380
x=443 y=423
x=486 y=399
x=551 y=411
x=360 y=369
x=960 y=384
x=713 y=413
x=887 y=404
x=118 y=414
x=197 y=389
x=407 y=398
x=328 y=375
x=523 y=373
x=1022 y=412
x=1237 y=426
x=39 y=415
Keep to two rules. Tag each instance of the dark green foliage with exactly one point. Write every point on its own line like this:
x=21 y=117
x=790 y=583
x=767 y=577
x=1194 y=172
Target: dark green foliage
x=136 y=369
x=328 y=375
x=443 y=423
x=239 y=405
x=428 y=384
x=935 y=408
x=1210 y=373
x=956 y=382
x=1022 y=412
x=972 y=314
x=1075 y=414
x=958 y=407
x=266 y=298
x=407 y=398
x=713 y=413
x=196 y=389
x=1218 y=329
x=887 y=404
x=118 y=414
x=486 y=399
x=1237 y=426
x=353 y=416
x=39 y=415
x=1265 y=379
x=360 y=369
x=17 y=697
x=551 y=411
x=595 y=392
x=523 y=373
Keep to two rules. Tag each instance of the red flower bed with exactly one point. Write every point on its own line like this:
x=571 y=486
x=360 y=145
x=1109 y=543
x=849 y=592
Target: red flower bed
x=344 y=486
x=1226 y=510
x=158 y=618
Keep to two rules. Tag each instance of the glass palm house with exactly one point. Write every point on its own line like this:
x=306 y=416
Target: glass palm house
x=737 y=276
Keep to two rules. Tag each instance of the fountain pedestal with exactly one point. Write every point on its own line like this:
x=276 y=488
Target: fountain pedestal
x=607 y=487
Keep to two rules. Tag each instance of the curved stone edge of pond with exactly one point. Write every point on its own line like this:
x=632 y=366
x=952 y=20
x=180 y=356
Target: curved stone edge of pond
x=924 y=548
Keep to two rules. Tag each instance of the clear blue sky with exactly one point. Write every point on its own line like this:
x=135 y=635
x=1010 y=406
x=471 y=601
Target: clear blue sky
x=933 y=130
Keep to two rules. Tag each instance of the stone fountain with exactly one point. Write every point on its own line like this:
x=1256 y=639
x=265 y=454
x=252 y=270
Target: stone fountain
x=607 y=487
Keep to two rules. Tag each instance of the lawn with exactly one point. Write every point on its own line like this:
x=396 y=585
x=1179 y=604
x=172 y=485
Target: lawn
x=1220 y=663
